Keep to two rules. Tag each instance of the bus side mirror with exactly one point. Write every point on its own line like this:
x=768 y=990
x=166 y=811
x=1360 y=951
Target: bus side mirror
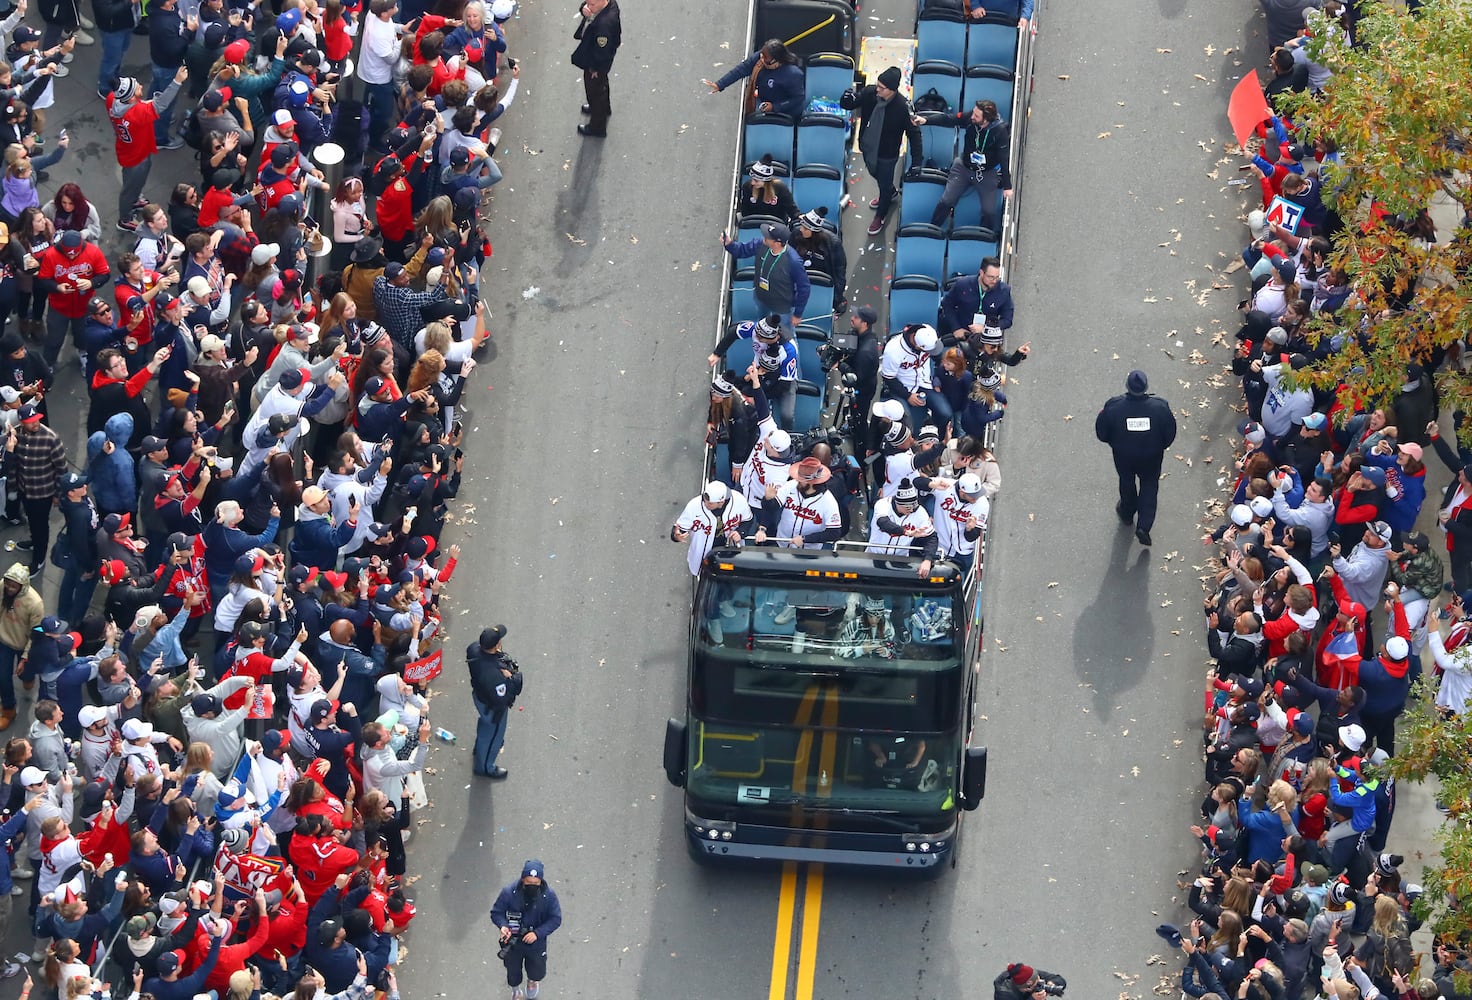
x=973 y=784
x=674 y=752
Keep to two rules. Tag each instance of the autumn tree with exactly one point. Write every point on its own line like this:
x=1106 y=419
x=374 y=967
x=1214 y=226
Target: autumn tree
x=1399 y=109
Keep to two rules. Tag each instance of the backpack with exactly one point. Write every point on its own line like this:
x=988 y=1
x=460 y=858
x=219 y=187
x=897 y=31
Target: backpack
x=931 y=100
x=192 y=133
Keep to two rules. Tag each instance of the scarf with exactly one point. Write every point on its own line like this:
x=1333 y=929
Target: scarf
x=869 y=140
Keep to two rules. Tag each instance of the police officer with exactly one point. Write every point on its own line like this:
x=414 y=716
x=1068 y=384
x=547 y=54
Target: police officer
x=526 y=912
x=495 y=681
x=598 y=36
x=1137 y=427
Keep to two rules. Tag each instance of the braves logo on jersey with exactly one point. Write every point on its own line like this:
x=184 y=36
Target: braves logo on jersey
x=801 y=511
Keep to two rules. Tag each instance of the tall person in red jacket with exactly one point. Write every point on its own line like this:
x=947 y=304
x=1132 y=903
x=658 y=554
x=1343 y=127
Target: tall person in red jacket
x=133 y=127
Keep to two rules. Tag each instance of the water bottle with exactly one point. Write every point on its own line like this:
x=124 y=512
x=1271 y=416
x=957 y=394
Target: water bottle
x=445 y=734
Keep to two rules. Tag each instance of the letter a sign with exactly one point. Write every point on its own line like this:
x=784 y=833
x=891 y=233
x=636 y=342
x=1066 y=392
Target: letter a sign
x=1286 y=214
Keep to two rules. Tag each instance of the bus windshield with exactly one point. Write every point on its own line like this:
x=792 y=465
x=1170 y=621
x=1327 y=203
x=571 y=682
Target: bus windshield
x=872 y=773
x=798 y=626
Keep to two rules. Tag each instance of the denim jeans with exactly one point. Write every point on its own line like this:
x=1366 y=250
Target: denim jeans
x=57 y=327
x=162 y=77
x=382 y=107
x=490 y=734
x=75 y=595
x=8 y=658
x=114 y=48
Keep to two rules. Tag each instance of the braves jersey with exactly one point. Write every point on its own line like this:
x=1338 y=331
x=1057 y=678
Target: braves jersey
x=133 y=131
x=707 y=526
x=901 y=363
x=788 y=370
x=759 y=470
x=900 y=465
x=951 y=512
x=884 y=543
x=803 y=516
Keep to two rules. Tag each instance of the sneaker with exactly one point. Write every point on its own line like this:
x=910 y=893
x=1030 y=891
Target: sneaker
x=1143 y=536
x=84 y=39
x=517 y=993
x=68 y=57
x=25 y=546
x=728 y=609
x=876 y=226
x=532 y=989
x=874 y=203
x=39 y=955
x=174 y=143
x=15 y=890
x=11 y=970
x=128 y=225
x=16 y=521
x=85 y=22
x=785 y=615
x=60 y=71
x=141 y=203
x=717 y=634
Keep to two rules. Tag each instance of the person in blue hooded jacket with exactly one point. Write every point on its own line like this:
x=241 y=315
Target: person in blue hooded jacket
x=111 y=468
x=526 y=912
x=779 y=80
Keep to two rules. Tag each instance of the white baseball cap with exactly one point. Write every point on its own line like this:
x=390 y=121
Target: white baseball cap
x=716 y=491
x=890 y=409
x=137 y=729
x=926 y=339
x=1260 y=506
x=90 y=715
x=969 y=484
x=1397 y=648
x=1241 y=515
x=779 y=439
x=32 y=776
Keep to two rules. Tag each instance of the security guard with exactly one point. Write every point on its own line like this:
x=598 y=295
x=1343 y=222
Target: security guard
x=495 y=682
x=1138 y=428
x=598 y=37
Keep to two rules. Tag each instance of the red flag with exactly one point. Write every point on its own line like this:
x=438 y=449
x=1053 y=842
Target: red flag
x=1248 y=107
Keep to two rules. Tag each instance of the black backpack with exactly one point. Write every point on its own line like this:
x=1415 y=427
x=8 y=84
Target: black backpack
x=192 y=133
x=931 y=100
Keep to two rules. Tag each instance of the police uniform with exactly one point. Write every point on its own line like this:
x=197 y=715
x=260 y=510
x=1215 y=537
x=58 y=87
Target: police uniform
x=1138 y=428
x=598 y=37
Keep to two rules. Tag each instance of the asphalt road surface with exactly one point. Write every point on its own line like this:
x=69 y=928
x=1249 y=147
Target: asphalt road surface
x=584 y=444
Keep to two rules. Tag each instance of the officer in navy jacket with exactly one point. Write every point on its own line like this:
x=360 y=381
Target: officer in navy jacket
x=1138 y=428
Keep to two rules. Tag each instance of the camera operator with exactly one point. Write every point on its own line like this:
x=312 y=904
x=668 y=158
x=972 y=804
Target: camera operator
x=1019 y=981
x=526 y=911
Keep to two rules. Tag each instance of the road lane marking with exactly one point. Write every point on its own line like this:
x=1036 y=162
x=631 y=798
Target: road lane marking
x=812 y=912
x=782 y=946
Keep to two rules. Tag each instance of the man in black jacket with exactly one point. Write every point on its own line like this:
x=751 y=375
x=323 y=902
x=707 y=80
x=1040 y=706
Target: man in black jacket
x=886 y=120
x=1138 y=428
x=598 y=36
x=495 y=682
x=983 y=164
x=168 y=41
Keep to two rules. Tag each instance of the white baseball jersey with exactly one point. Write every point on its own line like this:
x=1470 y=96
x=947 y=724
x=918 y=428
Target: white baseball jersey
x=900 y=465
x=901 y=363
x=951 y=512
x=882 y=542
x=805 y=515
x=707 y=527
x=760 y=470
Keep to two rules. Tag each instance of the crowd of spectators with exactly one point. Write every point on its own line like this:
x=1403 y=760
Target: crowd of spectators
x=218 y=727
x=1329 y=605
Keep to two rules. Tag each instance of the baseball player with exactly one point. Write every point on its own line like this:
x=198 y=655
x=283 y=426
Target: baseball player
x=717 y=513
x=900 y=526
x=961 y=509
x=770 y=458
x=803 y=513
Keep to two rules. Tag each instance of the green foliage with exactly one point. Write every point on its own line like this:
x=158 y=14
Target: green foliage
x=1432 y=746
x=1399 y=108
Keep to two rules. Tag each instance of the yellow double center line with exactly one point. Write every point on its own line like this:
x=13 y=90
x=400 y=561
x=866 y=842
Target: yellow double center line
x=811 y=874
